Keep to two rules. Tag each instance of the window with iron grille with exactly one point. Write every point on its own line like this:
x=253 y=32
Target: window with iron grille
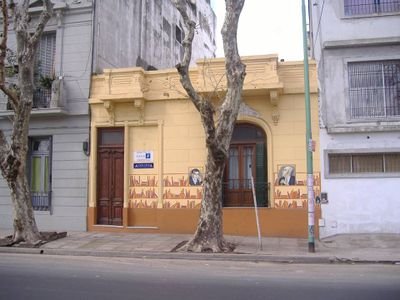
x=364 y=163
x=44 y=70
x=40 y=172
x=368 y=7
x=374 y=89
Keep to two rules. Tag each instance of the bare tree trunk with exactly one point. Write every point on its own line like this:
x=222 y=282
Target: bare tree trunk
x=25 y=228
x=209 y=233
x=13 y=153
x=218 y=133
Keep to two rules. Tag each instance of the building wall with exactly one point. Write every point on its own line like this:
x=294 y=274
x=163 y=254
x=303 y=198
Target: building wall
x=351 y=30
x=360 y=205
x=357 y=204
x=120 y=38
x=67 y=124
x=73 y=55
x=157 y=116
x=144 y=33
x=69 y=176
x=334 y=79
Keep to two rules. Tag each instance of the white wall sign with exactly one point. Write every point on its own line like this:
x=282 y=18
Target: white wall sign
x=143 y=157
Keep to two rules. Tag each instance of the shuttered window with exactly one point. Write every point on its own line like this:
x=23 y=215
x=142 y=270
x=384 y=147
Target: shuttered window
x=46 y=53
x=44 y=70
x=363 y=163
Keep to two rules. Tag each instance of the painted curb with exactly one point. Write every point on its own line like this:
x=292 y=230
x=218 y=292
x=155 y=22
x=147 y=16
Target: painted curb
x=240 y=257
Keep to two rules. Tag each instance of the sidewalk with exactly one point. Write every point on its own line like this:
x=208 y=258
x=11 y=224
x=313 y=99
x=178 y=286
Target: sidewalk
x=360 y=248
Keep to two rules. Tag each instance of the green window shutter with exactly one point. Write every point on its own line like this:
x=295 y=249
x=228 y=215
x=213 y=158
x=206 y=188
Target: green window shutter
x=261 y=178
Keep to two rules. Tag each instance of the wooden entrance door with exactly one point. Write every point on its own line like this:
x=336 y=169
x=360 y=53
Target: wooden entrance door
x=110 y=177
x=238 y=175
x=247 y=158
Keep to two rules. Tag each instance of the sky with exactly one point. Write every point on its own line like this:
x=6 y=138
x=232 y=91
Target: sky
x=266 y=27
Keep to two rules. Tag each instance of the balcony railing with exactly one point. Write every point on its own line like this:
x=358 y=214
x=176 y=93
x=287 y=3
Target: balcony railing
x=52 y=99
x=41 y=201
x=42 y=98
x=49 y=97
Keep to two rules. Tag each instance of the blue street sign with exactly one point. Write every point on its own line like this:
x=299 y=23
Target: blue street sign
x=143 y=165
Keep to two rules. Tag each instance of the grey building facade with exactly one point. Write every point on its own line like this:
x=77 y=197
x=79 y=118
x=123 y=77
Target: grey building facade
x=83 y=38
x=356 y=44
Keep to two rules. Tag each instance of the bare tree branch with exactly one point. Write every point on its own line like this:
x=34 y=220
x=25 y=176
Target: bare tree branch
x=215 y=82
x=26 y=48
x=21 y=20
x=44 y=17
x=25 y=4
x=229 y=38
x=3 y=154
x=183 y=67
x=8 y=162
x=205 y=107
x=3 y=53
x=235 y=70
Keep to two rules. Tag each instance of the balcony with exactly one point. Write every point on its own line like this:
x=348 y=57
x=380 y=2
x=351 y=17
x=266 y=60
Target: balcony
x=46 y=100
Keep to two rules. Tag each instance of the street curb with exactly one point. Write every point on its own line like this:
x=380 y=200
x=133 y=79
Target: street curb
x=239 y=257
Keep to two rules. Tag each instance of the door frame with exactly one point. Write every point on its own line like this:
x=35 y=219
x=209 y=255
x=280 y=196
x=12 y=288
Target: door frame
x=254 y=142
x=117 y=147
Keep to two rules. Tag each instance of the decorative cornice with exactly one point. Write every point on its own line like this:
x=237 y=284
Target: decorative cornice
x=266 y=79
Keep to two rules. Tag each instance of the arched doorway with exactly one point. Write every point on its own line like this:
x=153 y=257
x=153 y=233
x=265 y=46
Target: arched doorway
x=247 y=157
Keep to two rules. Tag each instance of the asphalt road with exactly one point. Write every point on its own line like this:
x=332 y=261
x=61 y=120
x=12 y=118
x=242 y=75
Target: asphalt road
x=64 y=277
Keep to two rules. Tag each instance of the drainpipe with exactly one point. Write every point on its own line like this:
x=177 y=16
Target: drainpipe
x=309 y=142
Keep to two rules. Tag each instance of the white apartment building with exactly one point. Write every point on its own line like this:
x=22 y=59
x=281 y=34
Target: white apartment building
x=356 y=44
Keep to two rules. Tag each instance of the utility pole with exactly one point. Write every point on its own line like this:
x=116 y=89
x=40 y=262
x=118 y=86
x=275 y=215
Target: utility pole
x=309 y=142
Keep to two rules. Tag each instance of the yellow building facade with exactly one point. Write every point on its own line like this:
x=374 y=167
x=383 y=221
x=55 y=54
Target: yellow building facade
x=148 y=151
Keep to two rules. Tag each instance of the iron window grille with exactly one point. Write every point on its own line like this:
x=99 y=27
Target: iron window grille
x=368 y=7
x=374 y=89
